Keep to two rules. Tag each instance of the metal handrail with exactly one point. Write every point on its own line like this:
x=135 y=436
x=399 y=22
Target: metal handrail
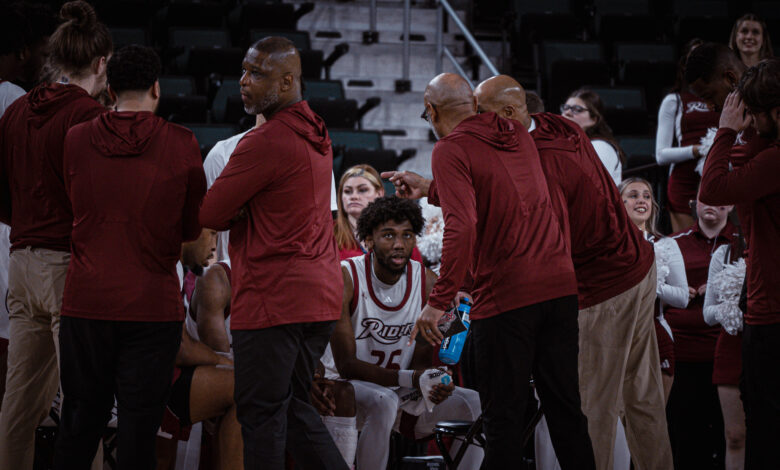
x=444 y=6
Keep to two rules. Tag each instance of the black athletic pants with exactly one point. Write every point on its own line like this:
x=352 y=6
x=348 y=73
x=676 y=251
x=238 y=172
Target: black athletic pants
x=695 y=419
x=542 y=339
x=99 y=359
x=761 y=395
x=274 y=369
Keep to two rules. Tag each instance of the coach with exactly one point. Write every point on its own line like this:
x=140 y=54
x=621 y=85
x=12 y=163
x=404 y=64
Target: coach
x=499 y=223
x=287 y=284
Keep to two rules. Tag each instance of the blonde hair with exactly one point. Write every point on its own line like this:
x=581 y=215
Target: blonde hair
x=651 y=226
x=345 y=237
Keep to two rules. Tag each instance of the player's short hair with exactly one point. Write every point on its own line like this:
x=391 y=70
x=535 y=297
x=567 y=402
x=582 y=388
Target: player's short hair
x=760 y=85
x=273 y=45
x=388 y=208
x=707 y=60
x=133 y=68
x=533 y=102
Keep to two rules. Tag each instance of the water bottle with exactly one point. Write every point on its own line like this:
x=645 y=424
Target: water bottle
x=452 y=346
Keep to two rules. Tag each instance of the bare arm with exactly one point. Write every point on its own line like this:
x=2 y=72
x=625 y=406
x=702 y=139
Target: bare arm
x=211 y=298
x=195 y=353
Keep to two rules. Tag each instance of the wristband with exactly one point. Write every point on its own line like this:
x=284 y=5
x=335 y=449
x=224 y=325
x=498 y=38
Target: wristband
x=405 y=378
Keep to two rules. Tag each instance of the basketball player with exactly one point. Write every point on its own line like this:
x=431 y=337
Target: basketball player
x=384 y=292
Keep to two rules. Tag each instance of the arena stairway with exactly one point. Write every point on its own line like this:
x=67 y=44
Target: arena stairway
x=372 y=69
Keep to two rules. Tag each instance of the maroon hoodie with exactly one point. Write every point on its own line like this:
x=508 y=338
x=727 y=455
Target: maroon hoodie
x=609 y=252
x=135 y=182
x=283 y=252
x=498 y=218
x=32 y=193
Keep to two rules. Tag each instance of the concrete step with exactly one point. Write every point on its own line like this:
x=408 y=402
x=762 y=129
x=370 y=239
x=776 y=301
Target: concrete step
x=356 y=36
x=335 y=16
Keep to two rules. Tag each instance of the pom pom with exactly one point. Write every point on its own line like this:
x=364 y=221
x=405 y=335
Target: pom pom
x=705 y=144
x=430 y=241
x=728 y=286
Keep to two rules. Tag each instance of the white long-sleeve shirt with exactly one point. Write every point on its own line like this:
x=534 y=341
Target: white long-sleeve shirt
x=609 y=157
x=673 y=290
x=668 y=135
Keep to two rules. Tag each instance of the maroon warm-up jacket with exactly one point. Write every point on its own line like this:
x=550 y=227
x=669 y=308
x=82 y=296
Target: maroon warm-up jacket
x=284 y=255
x=135 y=182
x=754 y=185
x=32 y=192
x=499 y=221
x=609 y=252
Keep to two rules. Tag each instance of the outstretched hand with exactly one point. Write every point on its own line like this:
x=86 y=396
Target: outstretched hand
x=427 y=326
x=733 y=115
x=407 y=184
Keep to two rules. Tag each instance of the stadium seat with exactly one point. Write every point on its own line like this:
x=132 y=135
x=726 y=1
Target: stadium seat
x=261 y=15
x=336 y=113
x=227 y=105
x=548 y=6
x=177 y=86
x=568 y=75
x=707 y=20
x=554 y=51
x=621 y=7
x=628 y=27
x=625 y=110
x=348 y=139
x=182 y=41
x=183 y=108
x=125 y=36
x=209 y=134
x=193 y=14
x=323 y=89
x=639 y=150
x=126 y=13
x=651 y=66
x=381 y=160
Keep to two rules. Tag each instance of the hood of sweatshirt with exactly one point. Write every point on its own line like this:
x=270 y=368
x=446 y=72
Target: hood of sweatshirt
x=126 y=133
x=300 y=118
x=556 y=132
x=502 y=134
x=49 y=98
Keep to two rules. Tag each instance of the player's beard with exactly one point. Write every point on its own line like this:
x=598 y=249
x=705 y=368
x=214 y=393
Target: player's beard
x=384 y=261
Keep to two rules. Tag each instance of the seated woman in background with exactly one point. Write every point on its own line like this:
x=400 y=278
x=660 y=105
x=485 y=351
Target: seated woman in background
x=721 y=306
x=358 y=187
x=672 y=288
x=585 y=108
x=750 y=40
x=683 y=119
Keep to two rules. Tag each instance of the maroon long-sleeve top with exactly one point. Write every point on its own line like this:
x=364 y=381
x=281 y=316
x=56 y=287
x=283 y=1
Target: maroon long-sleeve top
x=754 y=185
x=136 y=183
x=609 y=252
x=284 y=255
x=32 y=190
x=499 y=222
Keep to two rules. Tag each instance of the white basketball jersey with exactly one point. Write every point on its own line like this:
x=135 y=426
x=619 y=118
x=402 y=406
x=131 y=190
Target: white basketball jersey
x=382 y=329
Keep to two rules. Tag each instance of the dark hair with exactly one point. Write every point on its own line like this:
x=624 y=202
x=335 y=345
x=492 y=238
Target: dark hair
x=708 y=59
x=388 y=208
x=600 y=130
x=533 y=102
x=133 y=68
x=80 y=39
x=24 y=25
x=760 y=85
x=680 y=84
x=766 y=42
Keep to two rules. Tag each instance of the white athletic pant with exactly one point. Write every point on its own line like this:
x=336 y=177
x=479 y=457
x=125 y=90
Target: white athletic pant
x=378 y=414
x=545 y=454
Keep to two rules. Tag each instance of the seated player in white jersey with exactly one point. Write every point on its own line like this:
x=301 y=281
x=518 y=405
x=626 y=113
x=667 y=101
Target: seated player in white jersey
x=208 y=313
x=202 y=383
x=384 y=292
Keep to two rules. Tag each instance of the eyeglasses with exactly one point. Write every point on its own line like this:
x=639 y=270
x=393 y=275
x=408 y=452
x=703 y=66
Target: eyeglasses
x=574 y=108
x=424 y=115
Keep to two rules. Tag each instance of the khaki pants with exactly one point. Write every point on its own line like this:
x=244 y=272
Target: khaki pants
x=36 y=279
x=619 y=369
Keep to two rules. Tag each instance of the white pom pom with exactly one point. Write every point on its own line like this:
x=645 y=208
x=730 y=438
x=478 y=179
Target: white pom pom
x=705 y=144
x=728 y=285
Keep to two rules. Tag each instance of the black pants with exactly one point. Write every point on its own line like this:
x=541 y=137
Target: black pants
x=274 y=369
x=541 y=339
x=695 y=419
x=100 y=359
x=761 y=395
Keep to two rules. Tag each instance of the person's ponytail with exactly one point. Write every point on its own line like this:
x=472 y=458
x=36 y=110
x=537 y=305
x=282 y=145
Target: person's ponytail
x=80 y=39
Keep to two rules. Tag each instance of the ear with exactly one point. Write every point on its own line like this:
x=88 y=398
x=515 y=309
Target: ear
x=111 y=93
x=99 y=65
x=369 y=242
x=508 y=112
x=732 y=78
x=287 y=81
x=155 y=90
